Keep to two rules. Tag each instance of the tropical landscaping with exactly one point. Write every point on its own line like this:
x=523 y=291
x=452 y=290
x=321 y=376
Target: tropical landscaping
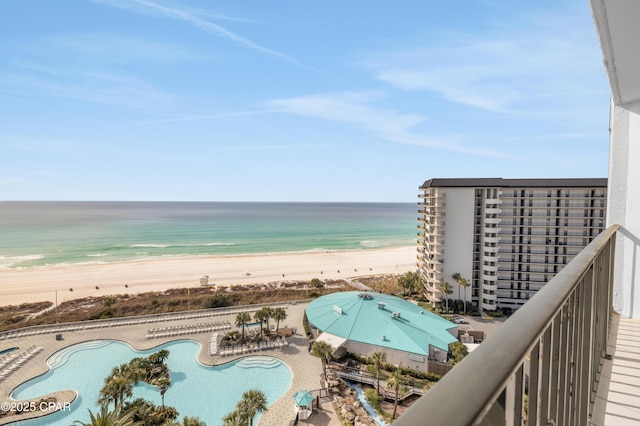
x=116 y=406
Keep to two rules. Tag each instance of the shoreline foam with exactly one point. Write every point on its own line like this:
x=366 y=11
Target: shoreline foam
x=41 y=283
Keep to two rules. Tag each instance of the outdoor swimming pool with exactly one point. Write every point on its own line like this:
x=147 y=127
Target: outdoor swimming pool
x=196 y=390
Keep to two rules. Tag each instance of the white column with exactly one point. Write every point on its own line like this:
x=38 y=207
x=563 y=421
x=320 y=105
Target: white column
x=623 y=208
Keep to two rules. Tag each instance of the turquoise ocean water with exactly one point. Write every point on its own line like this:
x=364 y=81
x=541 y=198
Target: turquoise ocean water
x=54 y=233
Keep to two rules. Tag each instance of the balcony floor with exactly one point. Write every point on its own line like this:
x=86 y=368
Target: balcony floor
x=618 y=400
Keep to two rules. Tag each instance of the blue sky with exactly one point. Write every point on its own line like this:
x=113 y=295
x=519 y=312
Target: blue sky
x=293 y=100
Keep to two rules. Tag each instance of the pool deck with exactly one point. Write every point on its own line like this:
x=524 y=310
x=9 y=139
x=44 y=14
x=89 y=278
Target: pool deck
x=305 y=368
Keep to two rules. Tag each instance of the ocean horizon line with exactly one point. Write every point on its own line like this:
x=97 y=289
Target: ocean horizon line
x=209 y=201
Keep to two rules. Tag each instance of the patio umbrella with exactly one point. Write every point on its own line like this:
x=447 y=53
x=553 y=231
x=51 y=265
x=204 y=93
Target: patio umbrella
x=303 y=398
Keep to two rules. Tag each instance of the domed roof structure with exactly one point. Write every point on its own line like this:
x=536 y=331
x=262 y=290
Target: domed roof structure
x=381 y=320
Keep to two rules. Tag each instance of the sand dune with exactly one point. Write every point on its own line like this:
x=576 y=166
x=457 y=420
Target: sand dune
x=43 y=283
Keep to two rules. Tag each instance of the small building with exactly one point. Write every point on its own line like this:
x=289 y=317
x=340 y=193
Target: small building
x=364 y=323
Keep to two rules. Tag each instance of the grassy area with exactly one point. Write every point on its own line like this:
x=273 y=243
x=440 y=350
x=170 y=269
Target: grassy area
x=13 y=316
x=387 y=284
x=175 y=300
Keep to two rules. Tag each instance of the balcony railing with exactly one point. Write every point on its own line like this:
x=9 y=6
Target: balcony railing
x=543 y=364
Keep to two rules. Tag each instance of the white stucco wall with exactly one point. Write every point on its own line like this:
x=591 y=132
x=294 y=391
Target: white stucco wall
x=623 y=208
x=397 y=357
x=458 y=238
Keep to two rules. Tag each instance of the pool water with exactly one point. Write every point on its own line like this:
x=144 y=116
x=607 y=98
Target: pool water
x=365 y=404
x=6 y=351
x=196 y=390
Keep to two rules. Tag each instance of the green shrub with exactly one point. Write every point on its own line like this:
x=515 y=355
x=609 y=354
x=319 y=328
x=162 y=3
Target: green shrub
x=305 y=325
x=221 y=300
x=495 y=314
x=374 y=398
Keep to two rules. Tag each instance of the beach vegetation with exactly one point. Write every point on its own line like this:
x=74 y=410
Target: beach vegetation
x=12 y=316
x=384 y=283
x=109 y=301
x=220 y=300
x=317 y=284
x=411 y=282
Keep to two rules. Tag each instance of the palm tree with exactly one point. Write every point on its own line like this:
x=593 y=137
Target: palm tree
x=192 y=421
x=269 y=314
x=457 y=277
x=163 y=354
x=465 y=283
x=447 y=289
x=242 y=319
x=378 y=359
x=140 y=409
x=253 y=401
x=279 y=314
x=159 y=357
x=109 y=418
x=411 y=282
x=261 y=316
x=235 y=418
x=395 y=382
x=118 y=386
x=322 y=350
x=163 y=384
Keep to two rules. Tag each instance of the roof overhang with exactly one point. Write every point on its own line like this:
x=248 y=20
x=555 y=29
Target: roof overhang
x=331 y=339
x=619 y=33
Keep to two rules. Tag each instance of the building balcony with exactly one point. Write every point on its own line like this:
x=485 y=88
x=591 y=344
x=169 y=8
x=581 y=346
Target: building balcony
x=571 y=360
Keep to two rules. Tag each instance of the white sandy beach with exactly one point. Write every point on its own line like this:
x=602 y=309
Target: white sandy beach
x=41 y=283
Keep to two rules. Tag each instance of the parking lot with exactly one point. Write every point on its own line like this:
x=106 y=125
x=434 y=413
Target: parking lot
x=486 y=324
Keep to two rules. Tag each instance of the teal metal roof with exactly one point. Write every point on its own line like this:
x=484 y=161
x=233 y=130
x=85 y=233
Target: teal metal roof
x=357 y=316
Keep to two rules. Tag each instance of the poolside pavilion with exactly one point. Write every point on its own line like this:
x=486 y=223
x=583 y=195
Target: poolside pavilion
x=367 y=322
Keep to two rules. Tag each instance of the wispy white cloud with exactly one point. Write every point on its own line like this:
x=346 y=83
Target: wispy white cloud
x=271 y=147
x=99 y=86
x=204 y=117
x=359 y=110
x=215 y=15
x=501 y=71
x=195 y=18
x=112 y=48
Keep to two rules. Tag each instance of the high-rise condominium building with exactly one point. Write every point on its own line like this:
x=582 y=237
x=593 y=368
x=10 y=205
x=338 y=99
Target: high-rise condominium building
x=507 y=237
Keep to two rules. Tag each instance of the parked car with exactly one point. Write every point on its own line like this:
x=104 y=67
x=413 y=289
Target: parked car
x=460 y=320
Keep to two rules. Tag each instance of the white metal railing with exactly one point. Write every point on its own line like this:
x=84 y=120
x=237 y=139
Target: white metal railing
x=542 y=366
